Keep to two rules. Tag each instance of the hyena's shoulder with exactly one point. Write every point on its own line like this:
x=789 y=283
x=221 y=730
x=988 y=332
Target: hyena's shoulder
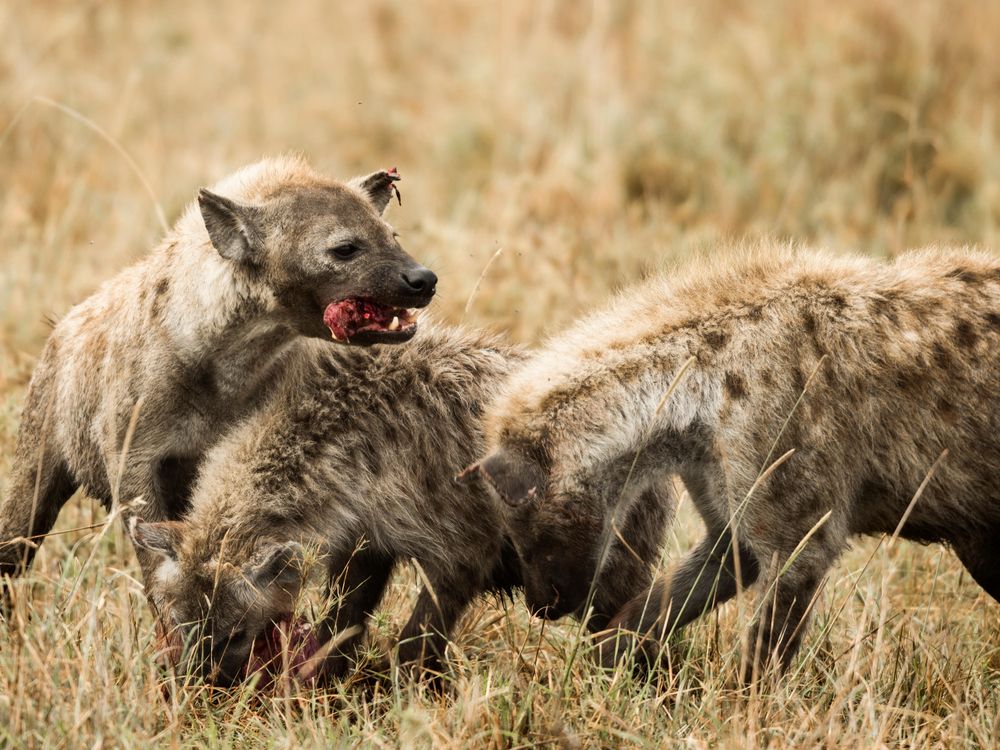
x=773 y=322
x=765 y=295
x=98 y=338
x=863 y=309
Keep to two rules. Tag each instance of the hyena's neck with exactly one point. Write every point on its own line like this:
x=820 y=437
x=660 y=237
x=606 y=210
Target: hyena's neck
x=219 y=316
x=653 y=419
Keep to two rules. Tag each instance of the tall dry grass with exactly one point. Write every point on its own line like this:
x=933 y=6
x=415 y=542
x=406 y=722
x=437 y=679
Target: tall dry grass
x=592 y=142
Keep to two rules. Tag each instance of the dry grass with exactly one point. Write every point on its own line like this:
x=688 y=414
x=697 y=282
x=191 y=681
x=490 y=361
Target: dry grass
x=591 y=141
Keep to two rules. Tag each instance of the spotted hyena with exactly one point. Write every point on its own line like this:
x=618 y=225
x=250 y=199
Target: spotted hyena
x=137 y=381
x=356 y=459
x=814 y=394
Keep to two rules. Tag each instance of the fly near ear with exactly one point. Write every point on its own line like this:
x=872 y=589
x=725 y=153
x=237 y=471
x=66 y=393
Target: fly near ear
x=233 y=228
x=379 y=187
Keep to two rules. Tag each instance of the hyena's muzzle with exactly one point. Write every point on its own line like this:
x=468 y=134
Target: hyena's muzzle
x=384 y=316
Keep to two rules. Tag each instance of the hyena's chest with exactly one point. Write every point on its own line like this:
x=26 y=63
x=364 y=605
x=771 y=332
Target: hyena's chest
x=218 y=391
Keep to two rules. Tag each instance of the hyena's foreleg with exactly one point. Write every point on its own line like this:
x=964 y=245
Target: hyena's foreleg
x=357 y=583
x=441 y=601
x=706 y=578
x=40 y=483
x=634 y=555
x=34 y=498
x=792 y=575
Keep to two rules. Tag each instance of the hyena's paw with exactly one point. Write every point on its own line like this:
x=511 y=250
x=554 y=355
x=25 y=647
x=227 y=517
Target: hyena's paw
x=769 y=655
x=381 y=674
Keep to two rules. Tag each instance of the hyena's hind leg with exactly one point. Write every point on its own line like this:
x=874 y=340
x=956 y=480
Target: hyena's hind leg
x=704 y=579
x=634 y=555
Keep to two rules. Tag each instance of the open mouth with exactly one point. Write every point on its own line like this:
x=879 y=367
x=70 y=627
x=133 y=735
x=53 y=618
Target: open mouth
x=362 y=321
x=285 y=646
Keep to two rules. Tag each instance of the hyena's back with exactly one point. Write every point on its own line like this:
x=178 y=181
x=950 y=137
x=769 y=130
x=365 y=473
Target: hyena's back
x=870 y=372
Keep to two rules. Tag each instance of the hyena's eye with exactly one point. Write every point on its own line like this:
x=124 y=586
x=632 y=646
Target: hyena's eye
x=345 y=251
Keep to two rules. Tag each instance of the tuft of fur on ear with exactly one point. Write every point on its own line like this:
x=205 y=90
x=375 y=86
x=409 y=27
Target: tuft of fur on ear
x=515 y=477
x=379 y=187
x=163 y=537
x=279 y=564
x=234 y=228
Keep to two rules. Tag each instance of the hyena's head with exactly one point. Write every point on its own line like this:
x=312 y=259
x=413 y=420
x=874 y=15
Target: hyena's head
x=554 y=519
x=220 y=615
x=334 y=265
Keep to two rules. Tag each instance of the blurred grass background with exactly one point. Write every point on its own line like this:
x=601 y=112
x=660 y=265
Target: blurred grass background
x=592 y=142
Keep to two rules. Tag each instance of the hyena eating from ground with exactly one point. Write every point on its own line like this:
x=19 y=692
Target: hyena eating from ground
x=356 y=459
x=139 y=380
x=820 y=393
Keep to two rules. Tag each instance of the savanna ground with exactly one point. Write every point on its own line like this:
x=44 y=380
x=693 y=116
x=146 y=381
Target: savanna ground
x=589 y=143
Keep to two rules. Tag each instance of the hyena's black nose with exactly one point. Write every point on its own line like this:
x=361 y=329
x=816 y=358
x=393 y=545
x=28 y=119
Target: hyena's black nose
x=420 y=280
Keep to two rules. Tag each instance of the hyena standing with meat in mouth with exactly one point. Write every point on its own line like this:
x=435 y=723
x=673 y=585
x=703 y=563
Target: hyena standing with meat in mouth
x=819 y=393
x=140 y=379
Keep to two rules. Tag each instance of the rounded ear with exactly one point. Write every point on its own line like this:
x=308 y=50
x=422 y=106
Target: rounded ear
x=516 y=478
x=279 y=563
x=378 y=187
x=234 y=228
x=163 y=538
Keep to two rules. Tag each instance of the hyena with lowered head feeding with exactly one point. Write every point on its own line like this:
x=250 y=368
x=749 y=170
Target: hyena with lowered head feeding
x=170 y=353
x=355 y=458
x=819 y=394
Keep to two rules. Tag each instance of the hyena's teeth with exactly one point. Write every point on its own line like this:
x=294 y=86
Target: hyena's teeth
x=335 y=336
x=394 y=325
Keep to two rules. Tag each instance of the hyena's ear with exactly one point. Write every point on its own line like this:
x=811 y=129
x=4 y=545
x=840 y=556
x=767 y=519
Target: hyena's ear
x=234 y=228
x=379 y=187
x=515 y=477
x=278 y=563
x=163 y=537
